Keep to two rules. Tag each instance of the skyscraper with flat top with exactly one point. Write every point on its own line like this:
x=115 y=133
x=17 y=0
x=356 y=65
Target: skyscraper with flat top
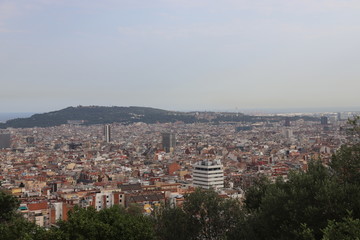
x=168 y=141
x=107 y=133
x=287 y=122
x=5 y=141
x=324 y=120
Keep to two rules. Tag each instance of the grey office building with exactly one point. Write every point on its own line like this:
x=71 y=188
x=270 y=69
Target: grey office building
x=168 y=141
x=5 y=141
x=324 y=120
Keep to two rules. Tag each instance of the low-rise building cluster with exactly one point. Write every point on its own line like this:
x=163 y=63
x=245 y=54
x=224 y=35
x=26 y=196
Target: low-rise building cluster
x=53 y=169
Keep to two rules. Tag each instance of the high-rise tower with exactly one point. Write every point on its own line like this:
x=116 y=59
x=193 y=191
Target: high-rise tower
x=168 y=142
x=5 y=140
x=208 y=174
x=107 y=133
x=287 y=122
x=324 y=120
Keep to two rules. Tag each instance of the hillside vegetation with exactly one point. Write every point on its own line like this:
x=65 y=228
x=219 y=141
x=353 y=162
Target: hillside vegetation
x=127 y=115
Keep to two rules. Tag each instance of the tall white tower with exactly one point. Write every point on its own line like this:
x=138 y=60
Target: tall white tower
x=107 y=133
x=208 y=174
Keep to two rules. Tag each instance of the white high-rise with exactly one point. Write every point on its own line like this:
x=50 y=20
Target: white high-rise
x=208 y=174
x=107 y=133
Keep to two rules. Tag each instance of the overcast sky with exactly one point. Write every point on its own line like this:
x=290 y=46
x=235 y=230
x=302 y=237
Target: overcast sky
x=179 y=54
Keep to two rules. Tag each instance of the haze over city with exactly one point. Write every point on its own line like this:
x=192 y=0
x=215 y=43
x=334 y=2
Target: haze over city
x=179 y=55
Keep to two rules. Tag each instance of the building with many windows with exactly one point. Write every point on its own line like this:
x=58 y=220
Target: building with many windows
x=168 y=142
x=5 y=141
x=324 y=120
x=208 y=174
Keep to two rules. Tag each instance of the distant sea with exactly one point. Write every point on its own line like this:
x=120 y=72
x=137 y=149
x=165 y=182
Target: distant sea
x=279 y=110
x=7 y=116
x=301 y=110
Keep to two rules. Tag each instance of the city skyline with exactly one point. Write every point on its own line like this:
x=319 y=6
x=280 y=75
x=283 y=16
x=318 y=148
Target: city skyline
x=179 y=55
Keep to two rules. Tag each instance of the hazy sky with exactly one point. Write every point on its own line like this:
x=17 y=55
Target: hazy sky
x=179 y=54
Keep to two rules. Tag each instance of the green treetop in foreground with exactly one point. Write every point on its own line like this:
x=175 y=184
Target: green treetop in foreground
x=83 y=224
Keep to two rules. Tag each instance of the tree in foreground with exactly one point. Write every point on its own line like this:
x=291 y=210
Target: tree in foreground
x=12 y=225
x=204 y=215
x=112 y=223
x=347 y=229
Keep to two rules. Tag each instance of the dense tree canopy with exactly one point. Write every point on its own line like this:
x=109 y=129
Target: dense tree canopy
x=87 y=224
x=12 y=225
x=112 y=223
x=204 y=215
x=8 y=206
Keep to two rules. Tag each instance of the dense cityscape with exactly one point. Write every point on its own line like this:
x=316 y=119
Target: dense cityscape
x=55 y=168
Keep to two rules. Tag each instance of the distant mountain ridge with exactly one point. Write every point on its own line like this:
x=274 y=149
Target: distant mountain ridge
x=127 y=115
x=91 y=115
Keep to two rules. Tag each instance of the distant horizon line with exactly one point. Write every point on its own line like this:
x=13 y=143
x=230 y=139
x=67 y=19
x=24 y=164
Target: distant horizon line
x=273 y=110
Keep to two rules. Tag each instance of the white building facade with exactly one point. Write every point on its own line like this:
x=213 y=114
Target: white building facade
x=208 y=174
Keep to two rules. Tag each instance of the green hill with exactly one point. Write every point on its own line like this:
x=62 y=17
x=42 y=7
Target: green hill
x=98 y=115
x=127 y=115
